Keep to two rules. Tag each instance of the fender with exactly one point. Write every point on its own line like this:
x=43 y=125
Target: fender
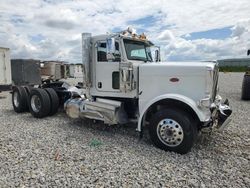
x=202 y=115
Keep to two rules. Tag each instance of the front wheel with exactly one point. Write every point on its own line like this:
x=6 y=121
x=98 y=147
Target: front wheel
x=173 y=130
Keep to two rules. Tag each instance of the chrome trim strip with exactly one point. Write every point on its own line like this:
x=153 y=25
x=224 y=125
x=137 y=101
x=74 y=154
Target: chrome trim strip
x=215 y=81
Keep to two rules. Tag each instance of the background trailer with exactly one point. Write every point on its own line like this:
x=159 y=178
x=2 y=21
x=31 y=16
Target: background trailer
x=5 y=69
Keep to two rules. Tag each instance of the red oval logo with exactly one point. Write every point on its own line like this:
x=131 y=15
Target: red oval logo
x=174 y=79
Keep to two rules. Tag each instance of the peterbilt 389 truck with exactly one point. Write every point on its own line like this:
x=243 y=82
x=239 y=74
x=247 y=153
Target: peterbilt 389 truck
x=123 y=83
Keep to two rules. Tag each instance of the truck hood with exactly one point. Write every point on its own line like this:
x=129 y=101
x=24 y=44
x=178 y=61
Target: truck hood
x=177 y=68
x=189 y=79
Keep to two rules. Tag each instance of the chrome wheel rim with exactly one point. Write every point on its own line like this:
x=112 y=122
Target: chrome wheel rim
x=35 y=103
x=16 y=99
x=170 y=132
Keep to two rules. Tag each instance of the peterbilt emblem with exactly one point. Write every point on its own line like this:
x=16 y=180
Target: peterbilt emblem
x=174 y=79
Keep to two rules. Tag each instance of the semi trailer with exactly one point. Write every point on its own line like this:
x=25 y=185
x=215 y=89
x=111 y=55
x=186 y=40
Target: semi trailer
x=125 y=81
x=5 y=69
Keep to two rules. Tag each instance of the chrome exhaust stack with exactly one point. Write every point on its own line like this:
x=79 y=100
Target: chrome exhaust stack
x=86 y=57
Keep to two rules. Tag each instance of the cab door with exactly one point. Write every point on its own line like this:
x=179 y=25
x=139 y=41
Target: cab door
x=107 y=72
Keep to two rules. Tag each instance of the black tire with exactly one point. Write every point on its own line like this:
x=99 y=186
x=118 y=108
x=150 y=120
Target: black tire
x=19 y=99
x=245 y=93
x=28 y=89
x=42 y=107
x=183 y=137
x=54 y=101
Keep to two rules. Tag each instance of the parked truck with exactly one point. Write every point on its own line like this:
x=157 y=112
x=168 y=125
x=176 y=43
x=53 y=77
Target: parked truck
x=25 y=72
x=28 y=72
x=5 y=69
x=53 y=70
x=123 y=83
x=245 y=92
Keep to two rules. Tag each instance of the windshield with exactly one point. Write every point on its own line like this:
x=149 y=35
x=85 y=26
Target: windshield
x=137 y=50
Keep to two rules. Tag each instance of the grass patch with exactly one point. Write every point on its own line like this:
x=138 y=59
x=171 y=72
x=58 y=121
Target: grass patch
x=233 y=69
x=95 y=143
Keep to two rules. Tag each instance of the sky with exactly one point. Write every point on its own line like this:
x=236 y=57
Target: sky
x=187 y=30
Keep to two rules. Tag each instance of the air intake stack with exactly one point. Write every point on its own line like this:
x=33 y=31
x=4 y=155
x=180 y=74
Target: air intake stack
x=86 y=58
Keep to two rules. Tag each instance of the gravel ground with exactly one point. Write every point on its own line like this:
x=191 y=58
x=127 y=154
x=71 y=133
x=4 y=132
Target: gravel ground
x=58 y=151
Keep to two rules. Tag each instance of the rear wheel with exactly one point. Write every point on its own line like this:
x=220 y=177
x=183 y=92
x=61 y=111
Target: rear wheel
x=39 y=103
x=54 y=101
x=19 y=99
x=28 y=89
x=245 y=95
x=172 y=130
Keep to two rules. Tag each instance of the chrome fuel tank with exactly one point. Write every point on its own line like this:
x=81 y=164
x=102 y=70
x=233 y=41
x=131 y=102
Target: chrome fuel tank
x=74 y=106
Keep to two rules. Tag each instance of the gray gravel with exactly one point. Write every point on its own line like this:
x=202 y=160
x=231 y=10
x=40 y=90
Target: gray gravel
x=58 y=151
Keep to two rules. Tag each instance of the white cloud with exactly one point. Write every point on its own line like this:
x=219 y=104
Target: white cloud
x=241 y=28
x=62 y=22
x=166 y=35
x=180 y=49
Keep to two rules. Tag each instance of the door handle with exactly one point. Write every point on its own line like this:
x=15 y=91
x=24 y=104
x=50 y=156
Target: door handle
x=99 y=85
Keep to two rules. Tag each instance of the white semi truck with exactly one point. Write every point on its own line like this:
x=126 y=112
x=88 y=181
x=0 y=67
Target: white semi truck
x=123 y=83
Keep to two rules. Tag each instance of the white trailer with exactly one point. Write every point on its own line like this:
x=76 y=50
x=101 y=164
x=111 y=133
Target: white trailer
x=71 y=70
x=53 y=70
x=122 y=83
x=76 y=71
x=5 y=69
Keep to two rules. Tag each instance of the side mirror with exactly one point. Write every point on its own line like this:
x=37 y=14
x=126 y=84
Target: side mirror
x=157 y=56
x=113 y=53
x=111 y=49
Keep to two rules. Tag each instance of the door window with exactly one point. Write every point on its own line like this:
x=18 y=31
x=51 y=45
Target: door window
x=102 y=51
